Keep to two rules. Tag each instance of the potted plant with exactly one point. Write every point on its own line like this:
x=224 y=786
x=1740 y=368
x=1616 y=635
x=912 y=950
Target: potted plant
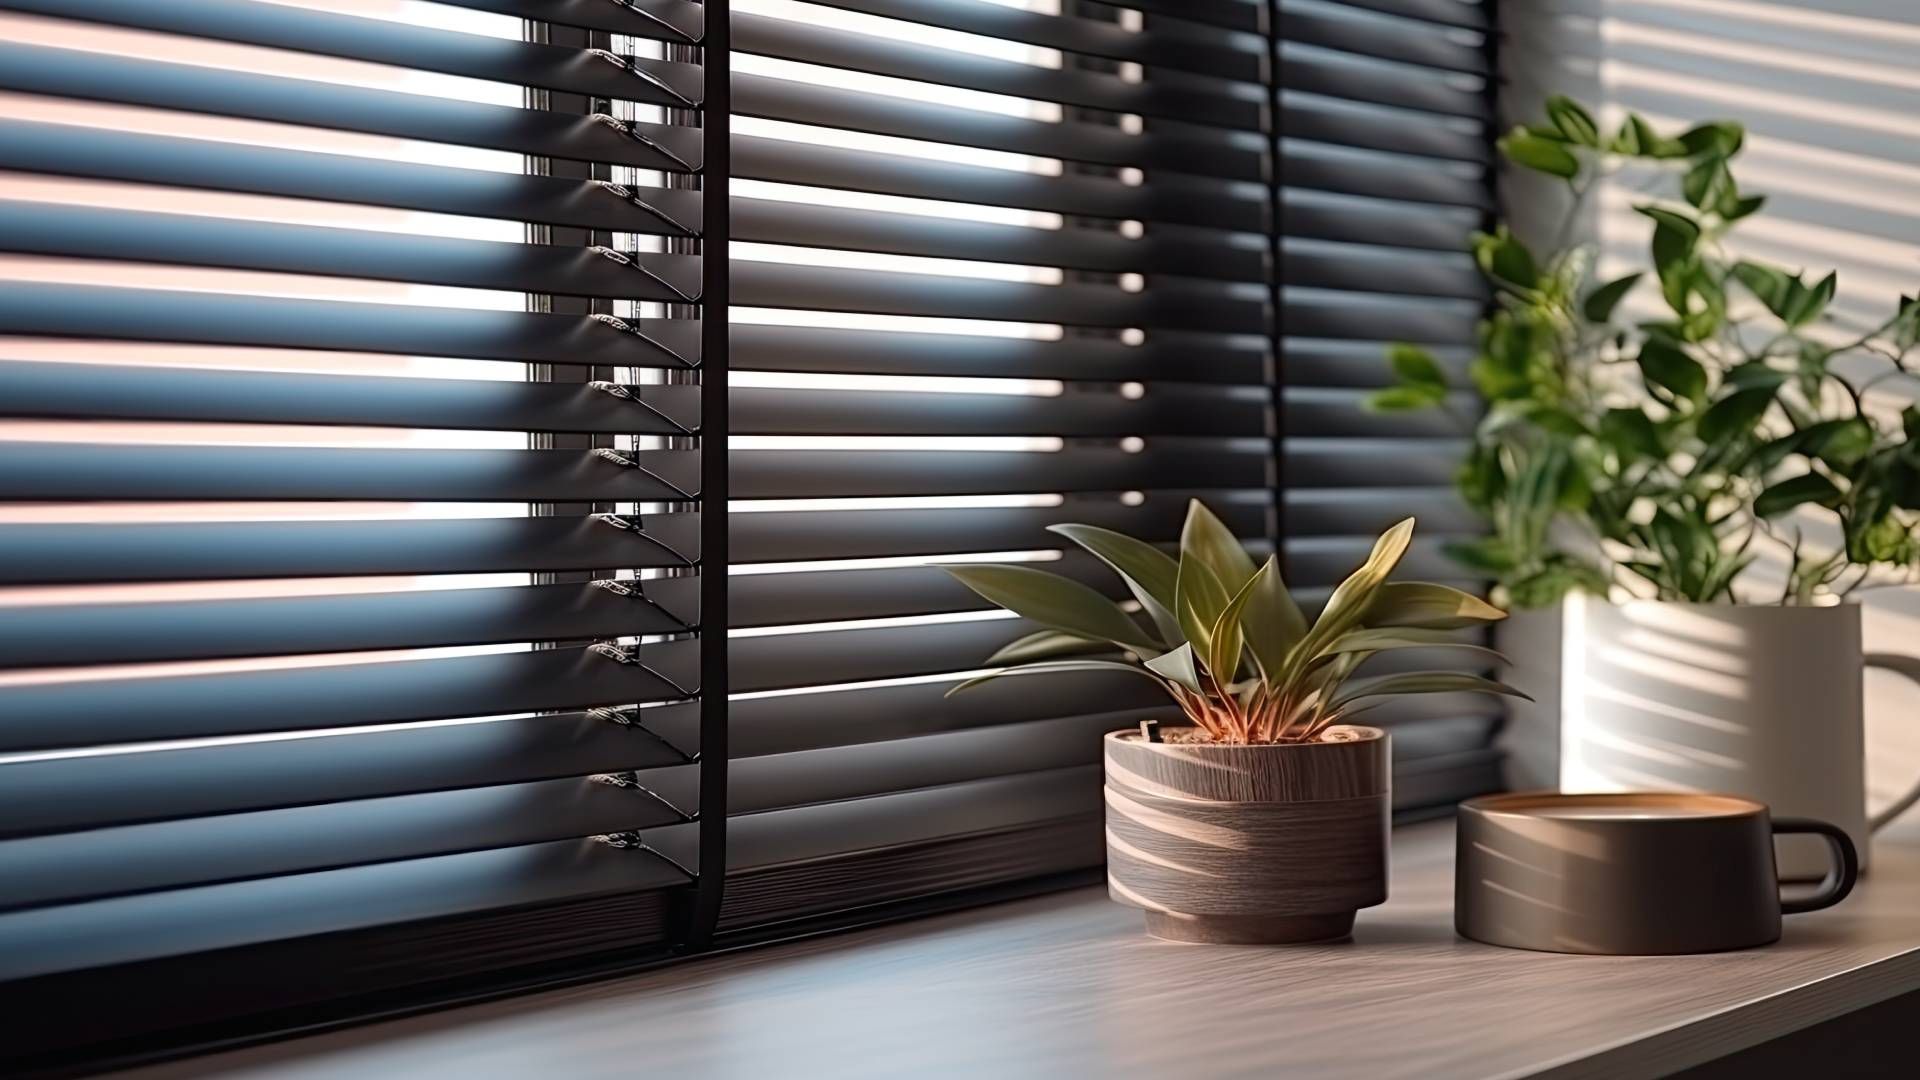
x=1695 y=459
x=1264 y=817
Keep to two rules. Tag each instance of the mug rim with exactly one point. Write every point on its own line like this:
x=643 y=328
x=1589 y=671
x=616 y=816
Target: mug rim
x=1517 y=804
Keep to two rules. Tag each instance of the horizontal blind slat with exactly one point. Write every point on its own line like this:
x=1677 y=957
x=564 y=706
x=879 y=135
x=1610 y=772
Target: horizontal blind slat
x=92 y=471
x=206 y=165
x=678 y=21
x=823 y=474
x=88 y=391
x=97 y=712
x=131 y=859
x=157 y=84
x=132 y=788
x=162 y=315
x=71 y=554
x=80 y=634
x=192 y=240
x=1165 y=409
x=398 y=44
x=1194 y=357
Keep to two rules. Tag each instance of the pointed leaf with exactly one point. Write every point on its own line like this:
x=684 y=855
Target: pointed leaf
x=1226 y=639
x=1198 y=601
x=1787 y=494
x=1416 y=366
x=1044 y=645
x=1666 y=366
x=1425 y=682
x=1053 y=601
x=1178 y=666
x=1573 y=121
x=1735 y=414
x=1387 y=639
x=1208 y=538
x=1351 y=597
x=1151 y=574
x=1272 y=622
x=1522 y=147
x=1601 y=301
x=1053 y=668
x=1420 y=604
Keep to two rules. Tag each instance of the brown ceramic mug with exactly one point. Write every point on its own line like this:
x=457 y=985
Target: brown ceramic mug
x=1630 y=874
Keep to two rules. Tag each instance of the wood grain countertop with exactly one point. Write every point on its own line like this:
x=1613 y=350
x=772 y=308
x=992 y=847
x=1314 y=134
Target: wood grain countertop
x=1068 y=986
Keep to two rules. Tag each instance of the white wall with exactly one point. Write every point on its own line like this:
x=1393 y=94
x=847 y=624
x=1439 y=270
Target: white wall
x=1831 y=99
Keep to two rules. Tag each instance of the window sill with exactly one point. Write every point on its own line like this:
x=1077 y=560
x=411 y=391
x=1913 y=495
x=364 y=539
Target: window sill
x=1069 y=985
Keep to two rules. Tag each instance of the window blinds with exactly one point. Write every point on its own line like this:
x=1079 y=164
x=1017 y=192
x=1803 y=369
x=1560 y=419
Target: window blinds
x=363 y=445
x=994 y=265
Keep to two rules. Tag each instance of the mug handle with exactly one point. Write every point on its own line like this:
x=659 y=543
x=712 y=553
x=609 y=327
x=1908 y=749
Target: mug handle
x=1910 y=667
x=1846 y=864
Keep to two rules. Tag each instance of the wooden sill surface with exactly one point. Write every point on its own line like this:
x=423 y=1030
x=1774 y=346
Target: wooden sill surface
x=1068 y=985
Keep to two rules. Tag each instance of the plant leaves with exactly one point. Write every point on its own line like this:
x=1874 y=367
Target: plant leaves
x=1804 y=305
x=1272 y=622
x=1178 y=666
x=1198 y=600
x=1787 y=494
x=1044 y=645
x=1351 y=597
x=1631 y=434
x=1601 y=301
x=1503 y=258
x=1721 y=138
x=1389 y=638
x=1708 y=183
x=1768 y=284
x=1053 y=601
x=1667 y=367
x=1227 y=640
x=1055 y=667
x=1424 y=605
x=1573 y=121
x=1415 y=365
x=1151 y=574
x=1523 y=147
x=1403 y=399
x=1425 y=682
x=1736 y=414
x=1207 y=538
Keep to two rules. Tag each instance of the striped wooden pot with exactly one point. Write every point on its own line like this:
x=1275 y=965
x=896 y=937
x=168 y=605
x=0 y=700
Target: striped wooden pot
x=1248 y=844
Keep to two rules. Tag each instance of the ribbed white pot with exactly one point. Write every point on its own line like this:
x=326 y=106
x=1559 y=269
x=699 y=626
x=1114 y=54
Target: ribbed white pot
x=1758 y=701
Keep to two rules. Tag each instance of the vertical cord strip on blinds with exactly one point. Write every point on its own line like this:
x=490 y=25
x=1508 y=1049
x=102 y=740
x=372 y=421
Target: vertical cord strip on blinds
x=1386 y=124
x=290 y=682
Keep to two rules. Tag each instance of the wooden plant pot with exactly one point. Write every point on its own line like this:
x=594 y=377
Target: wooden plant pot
x=1248 y=844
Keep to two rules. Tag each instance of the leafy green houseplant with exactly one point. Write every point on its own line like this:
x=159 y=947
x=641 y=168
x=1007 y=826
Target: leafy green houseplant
x=1227 y=642
x=1659 y=456
x=1271 y=759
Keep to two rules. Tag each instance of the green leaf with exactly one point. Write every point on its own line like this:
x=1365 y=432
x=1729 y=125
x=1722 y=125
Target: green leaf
x=1198 y=600
x=1735 y=414
x=1839 y=443
x=1573 y=121
x=1503 y=258
x=1708 y=183
x=1674 y=236
x=1178 y=666
x=1208 y=539
x=1053 y=668
x=1906 y=326
x=1754 y=375
x=1397 y=399
x=1522 y=147
x=1045 y=645
x=1742 y=207
x=1787 y=494
x=1487 y=555
x=1639 y=139
x=1666 y=366
x=1227 y=641
x=1767 y=283
x=1601 y=301
x=1351 y=597
x=1053 y=601
x=1151 y=574
x=1804 y=305
x=1631 y=434
x=1390 y=638
x=1424 y=682
x=1272 y=622
x=1720 y=138
x=1424 y=605
x=1416 y=366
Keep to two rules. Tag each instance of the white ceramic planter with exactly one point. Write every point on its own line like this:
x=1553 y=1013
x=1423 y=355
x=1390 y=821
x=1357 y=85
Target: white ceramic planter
x=1763 y=702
